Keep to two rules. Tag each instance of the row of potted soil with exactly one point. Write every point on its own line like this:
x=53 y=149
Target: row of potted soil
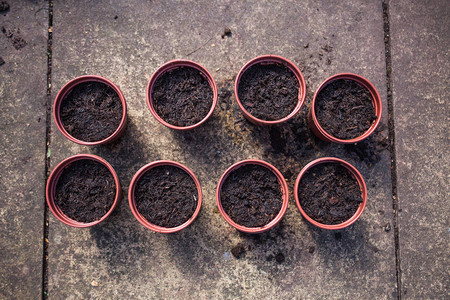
x=182 y=94
x=166 y=196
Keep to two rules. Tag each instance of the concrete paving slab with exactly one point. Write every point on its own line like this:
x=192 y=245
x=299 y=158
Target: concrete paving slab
x=23 y=88
x=421 y=77
x=127 y=42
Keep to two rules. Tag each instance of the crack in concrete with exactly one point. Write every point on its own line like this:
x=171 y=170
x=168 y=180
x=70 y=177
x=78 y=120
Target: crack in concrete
x=391 y=125
x=47 y=148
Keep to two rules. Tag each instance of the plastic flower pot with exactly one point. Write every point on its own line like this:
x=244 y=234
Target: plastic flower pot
x=171 y=65
x=356 y=175
x=268 y=60
x=141 y=218
x=283 y=187
x=64 y=91
x=318 y=130
x=53 y=181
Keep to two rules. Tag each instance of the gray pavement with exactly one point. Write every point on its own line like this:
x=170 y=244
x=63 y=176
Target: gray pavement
x=23 y=87
x=126 y=41
x=421 y=91
x=125 y=258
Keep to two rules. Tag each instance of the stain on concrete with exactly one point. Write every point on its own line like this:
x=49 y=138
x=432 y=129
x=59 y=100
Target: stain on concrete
x=15 y=37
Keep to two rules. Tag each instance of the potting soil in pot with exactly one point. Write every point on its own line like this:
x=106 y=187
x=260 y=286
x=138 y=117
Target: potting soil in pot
x=166 y=196
x=329 y=193
x=91 y=111
x=251 y=195
x=344 y=109
x=85 y=191
x=182 y=96
x=268 y=92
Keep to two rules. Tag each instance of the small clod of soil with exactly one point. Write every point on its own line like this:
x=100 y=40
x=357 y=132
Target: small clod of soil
x=268 y=92
x=91 y=111
x=227 y=33
x=280 y=258
x=182 y=97
x=344 y=109
x=85 y=191
x=311 y=249
x=166 y=196
x=251 y=196
x=238 y=251
x=329 y=193
x=4 y=6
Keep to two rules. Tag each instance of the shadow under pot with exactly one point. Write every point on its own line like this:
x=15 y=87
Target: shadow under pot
x=90 y=110
x=330 y=193
x=181 y=94
x=83 y=190
x=252 y=196
x=165 y=196
x=346 y=109
x=269 y=89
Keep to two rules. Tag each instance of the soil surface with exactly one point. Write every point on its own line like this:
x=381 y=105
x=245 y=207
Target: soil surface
x=166 y=196
x=251 y=195
x=268 y=92
x=85 y=191
x=344 y=109
x=329 y=193
x=182 y=97
x=91 y=111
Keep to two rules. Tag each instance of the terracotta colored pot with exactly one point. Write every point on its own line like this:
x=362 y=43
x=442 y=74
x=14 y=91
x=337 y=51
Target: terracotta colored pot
x=376 y=100
x=53 y=180
x=67 y=88
x=141 y=218
x=356 y=175
x=173 y=64
x=284 y=190
x=268 y=60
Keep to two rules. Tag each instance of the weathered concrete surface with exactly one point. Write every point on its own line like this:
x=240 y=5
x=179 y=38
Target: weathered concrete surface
x=23 y=87
x=126 y=259
x=421 y=77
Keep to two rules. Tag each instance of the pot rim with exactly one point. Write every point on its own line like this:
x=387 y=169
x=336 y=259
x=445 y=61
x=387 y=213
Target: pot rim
x=271 y=59
x=53 y=180
x=141 y=218
x=62 y=93
x=283 y=186
x=376 y=101
x=168 y=66
x=356 y=174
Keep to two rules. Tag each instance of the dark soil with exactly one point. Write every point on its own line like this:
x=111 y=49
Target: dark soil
x=91 y=111
x=280 y=258
x=85 y=191
x=238 y=250
x=182 y=97
x=329 y=193
x=166 y=196
x=269 y=92
x=227 y=33
x=251 y=196
x=4 y=6
x=2 y=62
x=344 y=109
